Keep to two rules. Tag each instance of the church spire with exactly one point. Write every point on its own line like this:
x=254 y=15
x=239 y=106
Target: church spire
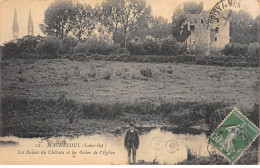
x=15 y=26
x=30 y=25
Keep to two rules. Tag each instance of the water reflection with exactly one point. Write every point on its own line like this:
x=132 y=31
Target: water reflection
x=156 y=146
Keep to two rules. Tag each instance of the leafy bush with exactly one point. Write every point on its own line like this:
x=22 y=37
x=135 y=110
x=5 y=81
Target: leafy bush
x=85 y=78
x=107 y=75
x=235 y=49
x=23 y=48
x=170 y=46
x=123 y=51
x=10 y=50
x=28 y=44
x=146 y=72
x=169 y=71
x=96 y=46
x=93 y=72
x=151 y=47
x=199 y=50
x=39 y=47
x=80 y=48
x=67 y=45
x=136 y=48
x=50 y=46
x=254 y=50
x=162 y=69
x=99 y=46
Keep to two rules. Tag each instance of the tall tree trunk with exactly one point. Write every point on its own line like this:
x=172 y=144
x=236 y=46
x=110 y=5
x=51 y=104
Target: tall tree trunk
x=125 y=33
x=79 y=36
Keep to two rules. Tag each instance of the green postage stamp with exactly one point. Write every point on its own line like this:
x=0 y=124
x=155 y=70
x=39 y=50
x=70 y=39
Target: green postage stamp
x=234 y=135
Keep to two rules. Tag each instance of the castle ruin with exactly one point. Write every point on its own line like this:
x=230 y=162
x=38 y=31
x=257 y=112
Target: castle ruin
x=204 y=35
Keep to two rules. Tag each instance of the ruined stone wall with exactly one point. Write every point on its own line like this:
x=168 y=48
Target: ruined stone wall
x=200 y=36
x=206 y=36
x=219 y=38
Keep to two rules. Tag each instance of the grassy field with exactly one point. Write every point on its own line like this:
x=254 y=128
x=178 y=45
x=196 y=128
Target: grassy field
x=62 y=97
x=110 y=82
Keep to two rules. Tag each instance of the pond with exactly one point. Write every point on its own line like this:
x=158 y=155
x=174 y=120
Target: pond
x=158 y=146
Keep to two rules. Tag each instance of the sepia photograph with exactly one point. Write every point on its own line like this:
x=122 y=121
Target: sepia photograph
x=129 y=82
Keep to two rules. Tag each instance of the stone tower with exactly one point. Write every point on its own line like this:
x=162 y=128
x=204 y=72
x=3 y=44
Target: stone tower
x=30 y=25
x=15 y=27
x=220 y=33
x=206 y=36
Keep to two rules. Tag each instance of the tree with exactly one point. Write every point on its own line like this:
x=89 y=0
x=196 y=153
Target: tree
x=157 y=27
x=59 y=18
x=192 y=7
x=160 y=27
x=243 y=28
x=180 y=15
x=84 y=21
x=141 y=29
x=256 y=28
x=123 y=15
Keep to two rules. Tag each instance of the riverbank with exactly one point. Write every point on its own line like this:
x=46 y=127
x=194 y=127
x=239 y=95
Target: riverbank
x=64 y=117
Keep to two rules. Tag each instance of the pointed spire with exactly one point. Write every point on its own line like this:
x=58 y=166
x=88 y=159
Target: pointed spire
x=30 y=25
x=15 y=26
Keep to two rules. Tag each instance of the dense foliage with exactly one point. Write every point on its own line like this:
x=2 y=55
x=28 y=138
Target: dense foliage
x=124 y=25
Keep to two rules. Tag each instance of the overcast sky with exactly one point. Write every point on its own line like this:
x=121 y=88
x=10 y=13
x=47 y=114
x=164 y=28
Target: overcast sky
x=164 y=8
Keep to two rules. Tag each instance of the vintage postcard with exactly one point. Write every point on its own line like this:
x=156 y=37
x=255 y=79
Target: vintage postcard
x=129 y=82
